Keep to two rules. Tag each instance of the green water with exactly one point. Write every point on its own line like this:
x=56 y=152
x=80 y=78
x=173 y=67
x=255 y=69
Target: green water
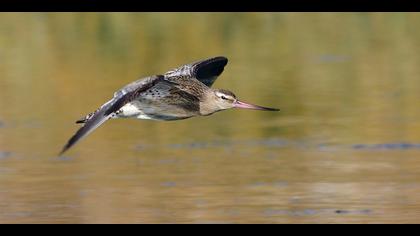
x=344 y=148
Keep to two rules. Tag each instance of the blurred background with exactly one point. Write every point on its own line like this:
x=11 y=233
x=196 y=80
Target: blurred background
x=344 y=147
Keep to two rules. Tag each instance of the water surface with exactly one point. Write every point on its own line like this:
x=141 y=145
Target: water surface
x=344 y=148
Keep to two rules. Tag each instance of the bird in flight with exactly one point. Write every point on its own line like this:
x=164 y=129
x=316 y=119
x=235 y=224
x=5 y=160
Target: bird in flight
x=180 y=93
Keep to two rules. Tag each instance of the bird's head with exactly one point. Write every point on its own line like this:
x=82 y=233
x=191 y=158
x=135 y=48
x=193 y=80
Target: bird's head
x=224 y=99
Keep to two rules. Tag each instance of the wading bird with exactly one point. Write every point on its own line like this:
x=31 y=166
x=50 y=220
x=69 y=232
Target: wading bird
x=180 y=93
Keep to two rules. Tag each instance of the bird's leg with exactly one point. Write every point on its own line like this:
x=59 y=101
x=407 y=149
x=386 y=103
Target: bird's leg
x=86 y=118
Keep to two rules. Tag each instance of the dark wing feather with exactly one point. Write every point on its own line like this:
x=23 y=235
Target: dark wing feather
x=206 y=71
x=97 y=119
x=122 y=97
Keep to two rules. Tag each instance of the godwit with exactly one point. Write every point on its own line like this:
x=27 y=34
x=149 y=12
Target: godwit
x=180 y=93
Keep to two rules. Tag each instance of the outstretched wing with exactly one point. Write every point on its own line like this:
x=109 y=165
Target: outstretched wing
x=206 y=71
x=109 y=109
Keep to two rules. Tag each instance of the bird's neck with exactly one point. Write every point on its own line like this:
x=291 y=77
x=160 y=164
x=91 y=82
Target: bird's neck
x=207 y=105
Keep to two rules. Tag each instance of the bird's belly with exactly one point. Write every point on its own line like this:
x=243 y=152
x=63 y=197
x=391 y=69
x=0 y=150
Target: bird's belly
x=138 y=110
x=131 y=110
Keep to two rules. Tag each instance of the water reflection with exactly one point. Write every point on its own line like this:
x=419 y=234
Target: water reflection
x=344 y=147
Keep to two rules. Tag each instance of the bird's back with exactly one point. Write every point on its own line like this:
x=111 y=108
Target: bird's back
x=178 y=100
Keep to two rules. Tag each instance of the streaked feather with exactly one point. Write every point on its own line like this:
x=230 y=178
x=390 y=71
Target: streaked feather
x=206 y=71
x=109 y=109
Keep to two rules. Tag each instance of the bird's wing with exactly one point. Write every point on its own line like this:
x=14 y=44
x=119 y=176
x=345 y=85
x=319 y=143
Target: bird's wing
x=206 y=71
x=109 y=109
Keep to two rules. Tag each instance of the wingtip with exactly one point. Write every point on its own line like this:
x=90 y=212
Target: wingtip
x=222 y=58
x=65 y=148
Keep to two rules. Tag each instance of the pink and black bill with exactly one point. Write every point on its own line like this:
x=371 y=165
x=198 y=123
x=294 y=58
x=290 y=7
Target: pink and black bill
x=244 y=105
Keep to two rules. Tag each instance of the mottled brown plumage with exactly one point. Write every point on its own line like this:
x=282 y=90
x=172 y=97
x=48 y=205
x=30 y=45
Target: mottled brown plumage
x=180 y=93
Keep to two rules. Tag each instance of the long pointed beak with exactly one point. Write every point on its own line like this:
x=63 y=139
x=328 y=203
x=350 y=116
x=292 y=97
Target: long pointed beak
x=244 y=105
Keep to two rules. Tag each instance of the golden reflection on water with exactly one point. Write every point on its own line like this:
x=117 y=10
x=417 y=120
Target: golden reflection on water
x=344 y=147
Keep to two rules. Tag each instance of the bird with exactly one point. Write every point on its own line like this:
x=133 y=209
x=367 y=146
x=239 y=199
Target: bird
x=180 y=93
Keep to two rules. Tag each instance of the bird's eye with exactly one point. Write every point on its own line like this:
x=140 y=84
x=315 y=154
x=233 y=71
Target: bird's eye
x=223 y=97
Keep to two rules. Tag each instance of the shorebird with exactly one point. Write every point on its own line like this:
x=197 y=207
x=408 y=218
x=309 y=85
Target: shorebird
x=178 y=94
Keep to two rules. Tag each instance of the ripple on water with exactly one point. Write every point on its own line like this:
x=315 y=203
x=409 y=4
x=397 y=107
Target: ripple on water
x=62 y=158
x=270 y=142
x=386 y=146
x=5 y=155
x=278 y=184
x=354 y=212
x=304 y=212
x=200 y=145
x=276 y=143
x=310 y=212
